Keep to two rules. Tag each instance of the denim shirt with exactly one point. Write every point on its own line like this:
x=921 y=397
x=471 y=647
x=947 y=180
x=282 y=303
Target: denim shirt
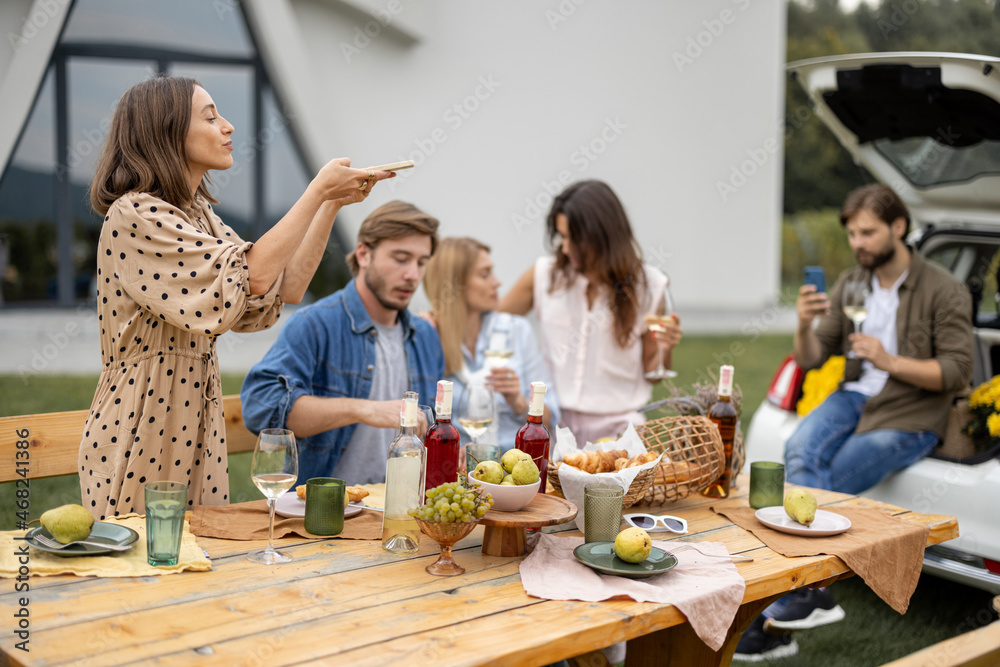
x=327 y=349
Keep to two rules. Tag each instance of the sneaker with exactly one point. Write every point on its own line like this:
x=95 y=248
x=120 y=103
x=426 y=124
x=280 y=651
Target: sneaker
x=807 y=608
x=756 y=646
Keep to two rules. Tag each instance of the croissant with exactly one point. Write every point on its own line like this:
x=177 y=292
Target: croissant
x=595 y=462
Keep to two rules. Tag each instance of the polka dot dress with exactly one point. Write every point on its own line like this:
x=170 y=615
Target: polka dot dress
x=170 y=281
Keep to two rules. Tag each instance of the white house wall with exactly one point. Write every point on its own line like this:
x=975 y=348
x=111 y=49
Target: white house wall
x=678 y=105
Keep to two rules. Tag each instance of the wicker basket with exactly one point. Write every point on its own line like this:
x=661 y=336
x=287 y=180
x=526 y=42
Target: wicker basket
x=636 y=491
x=695 y=451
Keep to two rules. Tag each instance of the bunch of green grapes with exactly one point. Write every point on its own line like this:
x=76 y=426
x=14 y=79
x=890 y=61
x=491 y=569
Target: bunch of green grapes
x=454 y=502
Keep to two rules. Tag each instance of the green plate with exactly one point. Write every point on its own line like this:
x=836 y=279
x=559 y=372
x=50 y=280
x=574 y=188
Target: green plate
x=600 y=556
x=112 y=533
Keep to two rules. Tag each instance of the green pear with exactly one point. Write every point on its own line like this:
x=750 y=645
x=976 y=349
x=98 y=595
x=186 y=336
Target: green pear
x=488 y=471
x=68 y=523
x=800 y=505
x=525 y=472
x=507 y=481
x=511 y=457
x=633 y=545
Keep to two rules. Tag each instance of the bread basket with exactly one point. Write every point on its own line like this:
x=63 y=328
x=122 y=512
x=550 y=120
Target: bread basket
x=637 y=490
x=694 y=456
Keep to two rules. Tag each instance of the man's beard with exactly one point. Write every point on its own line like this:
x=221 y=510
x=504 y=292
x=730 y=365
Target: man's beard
x=878 y=260
x=377 y=286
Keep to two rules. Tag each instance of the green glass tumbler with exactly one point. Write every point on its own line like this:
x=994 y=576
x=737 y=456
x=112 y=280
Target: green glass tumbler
x=326 y=498
x=767 y=484
x=165 y=503
x=602 y=512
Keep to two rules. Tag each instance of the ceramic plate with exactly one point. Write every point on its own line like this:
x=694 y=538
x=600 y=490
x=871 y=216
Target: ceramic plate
x=601 y=557
x=101 y=532
x=825 y=523
x=290 y=506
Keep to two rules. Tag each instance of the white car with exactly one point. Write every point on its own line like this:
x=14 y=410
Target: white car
x=927 y=125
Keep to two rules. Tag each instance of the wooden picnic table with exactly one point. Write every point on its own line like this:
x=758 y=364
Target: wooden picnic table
x=349 y=602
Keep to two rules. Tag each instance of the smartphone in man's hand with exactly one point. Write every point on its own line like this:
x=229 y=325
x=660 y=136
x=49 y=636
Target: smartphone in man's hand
x=813 y=275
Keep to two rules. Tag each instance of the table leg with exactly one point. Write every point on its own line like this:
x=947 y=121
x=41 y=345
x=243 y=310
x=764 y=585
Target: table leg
x=503 y=541
x=680 y=645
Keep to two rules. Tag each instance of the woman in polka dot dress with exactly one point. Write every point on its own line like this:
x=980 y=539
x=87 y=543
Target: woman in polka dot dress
x=172 y=277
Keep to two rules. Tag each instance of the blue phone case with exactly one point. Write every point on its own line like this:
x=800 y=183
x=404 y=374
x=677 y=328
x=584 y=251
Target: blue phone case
x=813 y=275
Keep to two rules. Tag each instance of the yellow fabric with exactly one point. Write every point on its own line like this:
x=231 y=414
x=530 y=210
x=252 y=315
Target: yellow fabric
x=131 y=563
x=820 y=383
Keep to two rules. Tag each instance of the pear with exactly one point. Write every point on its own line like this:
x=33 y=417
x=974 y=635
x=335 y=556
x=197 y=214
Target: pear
x=68 y=523
x=633 y=545
x=488 y=471
x=507 y=481
x=524 y=472
x=511 y=457
x=800 y=505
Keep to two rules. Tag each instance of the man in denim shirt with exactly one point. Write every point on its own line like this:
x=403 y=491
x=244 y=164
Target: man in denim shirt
x=339 y=368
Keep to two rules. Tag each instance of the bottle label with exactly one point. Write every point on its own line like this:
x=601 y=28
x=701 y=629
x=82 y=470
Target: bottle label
x=442 y=402
x=408 y=410
x=726 y=381
x=536 y=404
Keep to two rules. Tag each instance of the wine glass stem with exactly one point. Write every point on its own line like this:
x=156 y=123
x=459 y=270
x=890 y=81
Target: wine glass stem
x=270 y=526
x=662 y=368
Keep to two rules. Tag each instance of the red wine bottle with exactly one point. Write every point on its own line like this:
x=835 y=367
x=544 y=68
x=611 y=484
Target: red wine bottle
x=442 y=441
x=724 y=415
x=533 y=438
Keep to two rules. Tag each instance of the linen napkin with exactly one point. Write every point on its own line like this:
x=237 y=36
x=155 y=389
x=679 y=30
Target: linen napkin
x=573 y=481
x=707 y=590
x=884 y=551
x=248 y=521
x=131 y=563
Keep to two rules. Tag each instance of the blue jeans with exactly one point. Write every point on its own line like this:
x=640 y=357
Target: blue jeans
x=825 y=453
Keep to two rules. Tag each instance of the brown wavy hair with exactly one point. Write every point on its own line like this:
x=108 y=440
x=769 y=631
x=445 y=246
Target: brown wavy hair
x=601 y=233
x=393 y=221
x=144 y=151
x=445 y=280
x=879 y=200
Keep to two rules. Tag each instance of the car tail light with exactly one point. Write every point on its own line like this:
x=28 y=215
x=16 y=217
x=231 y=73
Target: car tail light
x=786 y=384
x=992 y=565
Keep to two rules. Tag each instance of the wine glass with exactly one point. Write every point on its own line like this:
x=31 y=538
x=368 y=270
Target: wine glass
x=499 y=349
x=657 y=321
x=428 y=414
x=856 y=294
x=274 y=469
x=476 y=408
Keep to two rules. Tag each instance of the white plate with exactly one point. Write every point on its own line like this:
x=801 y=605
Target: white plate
x=290 y=506
x=825 y=523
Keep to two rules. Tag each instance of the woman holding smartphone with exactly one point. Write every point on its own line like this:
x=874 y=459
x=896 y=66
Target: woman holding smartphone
x=172 y=277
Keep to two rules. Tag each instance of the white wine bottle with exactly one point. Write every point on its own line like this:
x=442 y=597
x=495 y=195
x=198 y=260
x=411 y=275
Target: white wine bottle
x=404 y=482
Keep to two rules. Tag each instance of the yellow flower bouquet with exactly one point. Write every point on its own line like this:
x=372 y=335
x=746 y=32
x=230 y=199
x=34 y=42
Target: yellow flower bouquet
x=820 y=383
x=984 y=406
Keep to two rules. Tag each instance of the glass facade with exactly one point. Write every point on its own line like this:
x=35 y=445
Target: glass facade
x=48 y=233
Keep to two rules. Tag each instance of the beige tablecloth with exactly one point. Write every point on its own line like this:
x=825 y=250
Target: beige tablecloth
x=16 y=554
x=706 y=589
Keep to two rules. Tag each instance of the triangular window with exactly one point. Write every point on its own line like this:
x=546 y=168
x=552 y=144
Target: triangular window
x=48 y=234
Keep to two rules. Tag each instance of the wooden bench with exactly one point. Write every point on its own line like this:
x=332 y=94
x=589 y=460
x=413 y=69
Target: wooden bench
x=53 y=441
x=977 y=648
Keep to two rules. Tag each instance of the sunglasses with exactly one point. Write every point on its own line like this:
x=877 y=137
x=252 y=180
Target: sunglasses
x=652 y=523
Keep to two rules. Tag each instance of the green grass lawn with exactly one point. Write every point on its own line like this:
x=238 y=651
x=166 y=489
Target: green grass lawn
x=872 y=633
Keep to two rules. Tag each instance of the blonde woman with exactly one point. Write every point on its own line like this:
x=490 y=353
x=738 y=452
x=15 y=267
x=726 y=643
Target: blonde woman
x=463 y=292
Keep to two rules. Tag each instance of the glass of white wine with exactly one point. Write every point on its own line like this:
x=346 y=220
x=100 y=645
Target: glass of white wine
x=499 y=348
x=856 y=295
x=273 y=469
x=476 y=408
x=657 y=322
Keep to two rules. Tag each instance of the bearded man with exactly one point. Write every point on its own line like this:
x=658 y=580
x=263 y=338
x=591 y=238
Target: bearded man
x=910 y=356
x=337 y=373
